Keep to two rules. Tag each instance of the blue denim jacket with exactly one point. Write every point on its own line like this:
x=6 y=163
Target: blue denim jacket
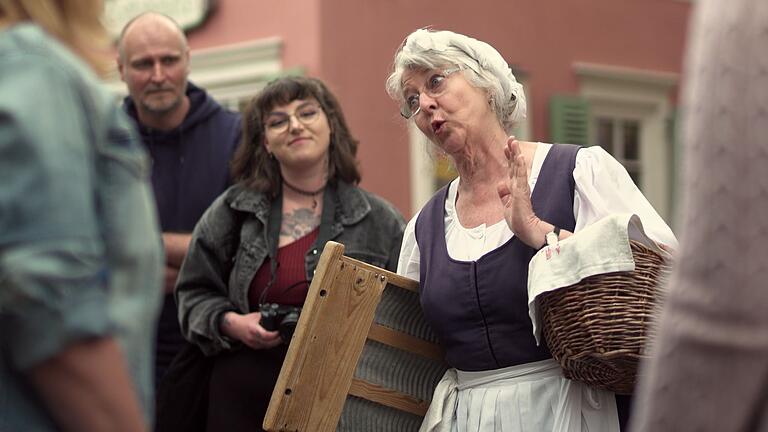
x=231 y=241
x=80 y=252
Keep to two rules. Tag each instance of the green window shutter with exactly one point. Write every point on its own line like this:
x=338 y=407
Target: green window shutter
x=569 y=120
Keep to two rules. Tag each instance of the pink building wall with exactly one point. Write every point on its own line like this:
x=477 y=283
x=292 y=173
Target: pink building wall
x=350 y=44
x=297 y=23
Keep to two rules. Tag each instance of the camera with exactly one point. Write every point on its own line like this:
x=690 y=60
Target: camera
x=280 y=317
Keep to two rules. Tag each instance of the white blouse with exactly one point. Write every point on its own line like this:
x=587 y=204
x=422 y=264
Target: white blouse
x=603 y=187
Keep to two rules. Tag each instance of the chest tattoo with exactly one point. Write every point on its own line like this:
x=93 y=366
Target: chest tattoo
x=298 y=223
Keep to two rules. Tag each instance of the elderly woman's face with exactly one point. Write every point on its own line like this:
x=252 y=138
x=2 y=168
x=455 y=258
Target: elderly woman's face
x=298 y=134
x=448 y=109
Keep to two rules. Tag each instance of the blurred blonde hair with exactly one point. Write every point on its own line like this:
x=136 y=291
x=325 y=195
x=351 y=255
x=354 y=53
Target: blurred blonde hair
x=76 y=23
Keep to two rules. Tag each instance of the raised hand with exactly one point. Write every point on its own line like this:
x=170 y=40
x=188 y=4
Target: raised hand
x=515 y=195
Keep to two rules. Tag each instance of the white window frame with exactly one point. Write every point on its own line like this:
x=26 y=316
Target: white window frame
x=642 y=95
x=617 y=139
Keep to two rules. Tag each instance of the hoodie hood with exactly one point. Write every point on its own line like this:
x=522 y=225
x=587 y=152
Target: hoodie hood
x=202 y=144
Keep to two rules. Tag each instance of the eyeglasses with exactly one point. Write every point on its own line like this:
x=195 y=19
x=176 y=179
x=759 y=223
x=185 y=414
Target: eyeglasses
x=434 y=87
x=280 y=122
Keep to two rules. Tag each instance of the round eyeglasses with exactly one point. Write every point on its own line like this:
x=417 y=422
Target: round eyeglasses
x=280 y=122
x=435 y=86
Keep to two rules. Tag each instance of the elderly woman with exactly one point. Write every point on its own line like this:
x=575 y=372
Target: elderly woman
x=260 y=241
x=80 y=252
x=470 y=245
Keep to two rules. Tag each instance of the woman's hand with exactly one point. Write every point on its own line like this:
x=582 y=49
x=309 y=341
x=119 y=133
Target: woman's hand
x=246 y=329
x=515 y=195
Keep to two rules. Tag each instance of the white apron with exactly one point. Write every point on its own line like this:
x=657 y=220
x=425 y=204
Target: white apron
x=532 y=397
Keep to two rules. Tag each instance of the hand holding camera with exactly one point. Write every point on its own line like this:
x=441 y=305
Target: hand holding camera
x=282 y=318
x=247 y=329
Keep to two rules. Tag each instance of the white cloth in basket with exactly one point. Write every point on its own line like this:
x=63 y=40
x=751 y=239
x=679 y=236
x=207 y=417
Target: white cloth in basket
x=602 y=247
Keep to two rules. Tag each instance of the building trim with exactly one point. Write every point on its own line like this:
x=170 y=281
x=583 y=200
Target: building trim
x=627 y=74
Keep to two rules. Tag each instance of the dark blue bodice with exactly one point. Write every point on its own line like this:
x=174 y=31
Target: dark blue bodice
x=479 y=309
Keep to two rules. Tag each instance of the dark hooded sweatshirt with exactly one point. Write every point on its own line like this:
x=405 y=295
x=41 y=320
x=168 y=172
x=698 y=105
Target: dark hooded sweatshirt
x=190 y=168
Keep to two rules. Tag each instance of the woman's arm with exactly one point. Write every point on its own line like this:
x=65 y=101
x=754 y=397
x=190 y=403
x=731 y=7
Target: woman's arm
x=54 y=296
x=202 y=291
x=87 y=388
x=604 y=187
x=176 y=246
x=515 y=195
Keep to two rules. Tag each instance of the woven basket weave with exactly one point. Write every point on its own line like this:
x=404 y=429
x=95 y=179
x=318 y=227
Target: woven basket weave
x=599 y=328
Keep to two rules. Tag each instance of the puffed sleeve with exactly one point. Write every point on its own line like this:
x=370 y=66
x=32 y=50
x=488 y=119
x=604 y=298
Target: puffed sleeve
x=408 y=264
x=604 y=187
x=52 y=270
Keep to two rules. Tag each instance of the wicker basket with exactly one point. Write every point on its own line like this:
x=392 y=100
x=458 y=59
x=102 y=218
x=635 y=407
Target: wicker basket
x=598 y=329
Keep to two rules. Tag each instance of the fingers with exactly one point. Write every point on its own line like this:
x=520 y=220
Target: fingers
x=263 y=339
x=512 y=152
x=255 y=336
x=505 y=195
x=520 y=172
x=517 y=172
x=512 y=149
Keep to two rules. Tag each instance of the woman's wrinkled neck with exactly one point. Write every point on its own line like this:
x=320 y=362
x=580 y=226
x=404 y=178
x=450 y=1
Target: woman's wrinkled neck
x=482 y=158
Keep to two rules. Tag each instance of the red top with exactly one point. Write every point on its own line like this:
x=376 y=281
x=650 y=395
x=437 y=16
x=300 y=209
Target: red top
x=290 y=286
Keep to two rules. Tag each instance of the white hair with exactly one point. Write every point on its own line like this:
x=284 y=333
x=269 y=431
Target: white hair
x=483 y=66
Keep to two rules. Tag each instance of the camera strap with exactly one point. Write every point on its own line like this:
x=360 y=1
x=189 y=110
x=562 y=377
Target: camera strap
x=274 y=221
x=330 y=203
x=273 y=231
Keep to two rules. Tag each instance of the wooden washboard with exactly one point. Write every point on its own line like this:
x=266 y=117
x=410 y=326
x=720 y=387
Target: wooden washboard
x=362 y=357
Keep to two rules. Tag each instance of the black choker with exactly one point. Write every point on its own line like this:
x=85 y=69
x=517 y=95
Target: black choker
x=312 y=194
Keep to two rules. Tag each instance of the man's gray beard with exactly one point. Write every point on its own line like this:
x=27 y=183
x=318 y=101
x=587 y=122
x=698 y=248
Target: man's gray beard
x=161 y=111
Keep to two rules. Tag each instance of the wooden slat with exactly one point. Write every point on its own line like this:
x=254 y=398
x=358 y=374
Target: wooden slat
x=392 y=278
x=405 y=342
x=317 y=373
x=402 y=281
x=387 y=397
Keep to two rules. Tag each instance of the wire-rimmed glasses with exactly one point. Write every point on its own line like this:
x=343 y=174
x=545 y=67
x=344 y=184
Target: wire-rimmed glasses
x=434 y=87
x=279 y=122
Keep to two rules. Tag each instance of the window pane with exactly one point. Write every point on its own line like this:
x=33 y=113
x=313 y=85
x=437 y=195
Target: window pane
x=631 y=140
x=605 y=134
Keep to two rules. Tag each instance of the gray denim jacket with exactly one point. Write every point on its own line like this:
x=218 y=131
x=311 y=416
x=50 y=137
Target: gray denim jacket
x=231 y=242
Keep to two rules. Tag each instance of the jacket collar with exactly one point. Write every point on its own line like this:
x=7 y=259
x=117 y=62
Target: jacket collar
x=351 y=203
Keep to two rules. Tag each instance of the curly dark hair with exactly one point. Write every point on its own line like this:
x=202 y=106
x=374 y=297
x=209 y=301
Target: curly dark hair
x=254 y=166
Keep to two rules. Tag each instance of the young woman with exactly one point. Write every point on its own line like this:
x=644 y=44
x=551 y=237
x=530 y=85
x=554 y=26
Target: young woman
x=259 y=243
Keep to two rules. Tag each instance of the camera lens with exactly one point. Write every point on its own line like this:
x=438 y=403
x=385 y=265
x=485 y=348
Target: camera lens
x=288 y=325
